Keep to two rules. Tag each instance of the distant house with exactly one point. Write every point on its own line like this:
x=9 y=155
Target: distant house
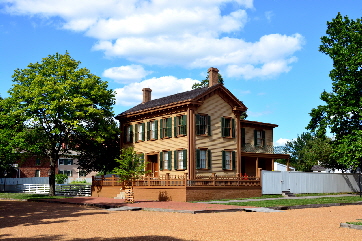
x=199 y=134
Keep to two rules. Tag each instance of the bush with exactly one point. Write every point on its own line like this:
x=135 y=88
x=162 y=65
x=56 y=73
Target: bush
x=60 y=178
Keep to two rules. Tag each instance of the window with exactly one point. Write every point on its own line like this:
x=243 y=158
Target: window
x=180 y=161
x=37 y=162
x=64 y=161
x=259 y=138
x=228 y=160
x=152 y=129
x=165 y=160
x=66 y=172
x=243 y=137
x=37 y=173
x=166 y=127
x=128 y=134
x=203 y=159
x=203 y=124
x=180 y=123
x=227 y=127
x=140 y=132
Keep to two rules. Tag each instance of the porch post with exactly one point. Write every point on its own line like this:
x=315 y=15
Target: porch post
x=272 y=163
x=256 y=166
x=191 y=142
x=238 y=145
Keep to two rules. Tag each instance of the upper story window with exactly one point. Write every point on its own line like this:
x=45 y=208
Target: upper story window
x=228 y=160
x=227 y=127
x=152 y=130
x=165 y=160
x=180 y=162
x=140 y=132
x=37 y=162
x=166 y=127
x=203 y=159
x=128 y=133
x=203 y=125
x=259 y=138
x=180 y=123
x=65 y=172
x=65 y=161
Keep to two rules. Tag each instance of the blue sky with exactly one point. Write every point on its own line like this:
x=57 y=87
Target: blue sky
x=266 y=50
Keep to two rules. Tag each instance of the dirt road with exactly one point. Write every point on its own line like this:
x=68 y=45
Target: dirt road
x=51 y=221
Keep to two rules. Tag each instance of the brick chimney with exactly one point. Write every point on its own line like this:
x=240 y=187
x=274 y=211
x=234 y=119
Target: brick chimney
x=146 y=95
x=213 y=76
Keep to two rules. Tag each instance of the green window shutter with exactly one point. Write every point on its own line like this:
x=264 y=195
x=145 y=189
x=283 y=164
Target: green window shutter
x=175 y=162
x=131 y=134
x=263 y=136
x=243 y=137
x=223 y=159
x=184 y=159
x=148 y=136
x=124 y=134
x=197 y=124
x=161 y=128
x=255 y=138
x=175 y=127
x=170 y=160
x=161 y=161
x=209 y=125
x=233 y=160
x=223 y=126
x=184 y=125
x=233 y=127
x=156 y=129
x=136 y=132
x=197 y=159
x=143 y=131
x=169 y=127
x=209 y=161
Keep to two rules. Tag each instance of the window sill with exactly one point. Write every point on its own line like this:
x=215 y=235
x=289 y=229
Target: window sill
x=203 y=135
x=229 y=137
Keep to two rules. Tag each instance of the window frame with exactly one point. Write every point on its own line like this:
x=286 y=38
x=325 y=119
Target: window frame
x=180 y=125
x=65 y=161
x=152 y=130
x=140 y=132
x=128 y=133
x=203 y=164
x=166 y=128
x=203 y=124
x=259 y=141
x=178 y=161
x=228 y=164
x=168 y=161
x=227 y=127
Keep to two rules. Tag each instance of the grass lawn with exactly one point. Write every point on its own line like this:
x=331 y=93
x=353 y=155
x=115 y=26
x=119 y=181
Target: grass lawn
x=296 y=202
x=28 y=196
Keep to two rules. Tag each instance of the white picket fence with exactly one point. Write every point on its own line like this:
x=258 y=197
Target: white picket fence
x=60 y=189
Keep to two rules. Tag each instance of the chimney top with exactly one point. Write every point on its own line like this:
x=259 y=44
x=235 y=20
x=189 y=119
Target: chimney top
x=146 y=95
x=213 y=76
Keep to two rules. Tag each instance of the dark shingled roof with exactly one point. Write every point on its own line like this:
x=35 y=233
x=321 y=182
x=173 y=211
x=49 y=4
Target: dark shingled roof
x=191 y=94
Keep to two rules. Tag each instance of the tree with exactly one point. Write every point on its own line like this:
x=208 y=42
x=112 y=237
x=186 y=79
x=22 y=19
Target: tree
x=205 y=82
x=341 y=114
x=58 y=105
x=131 y=165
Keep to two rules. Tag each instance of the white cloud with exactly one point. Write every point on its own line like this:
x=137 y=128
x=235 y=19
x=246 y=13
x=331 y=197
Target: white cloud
x=188 y=33
x=131 y=94
x=281 y=142
x=126 y=74
x=269 y=15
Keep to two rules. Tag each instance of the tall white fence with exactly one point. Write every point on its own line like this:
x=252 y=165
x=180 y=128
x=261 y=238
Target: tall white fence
x=274 y=182
x=28 y=180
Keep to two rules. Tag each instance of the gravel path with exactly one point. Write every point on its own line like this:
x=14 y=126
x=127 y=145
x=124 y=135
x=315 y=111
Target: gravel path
x=53 y=221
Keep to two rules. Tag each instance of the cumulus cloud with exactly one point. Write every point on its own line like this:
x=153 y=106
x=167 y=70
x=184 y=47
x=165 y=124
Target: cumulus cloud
x=126 y=74
x=187 y=33
x=281 y=142
x=131 y=94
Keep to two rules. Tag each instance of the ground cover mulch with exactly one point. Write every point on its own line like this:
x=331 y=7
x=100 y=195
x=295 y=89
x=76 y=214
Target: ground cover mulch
x=55 y=221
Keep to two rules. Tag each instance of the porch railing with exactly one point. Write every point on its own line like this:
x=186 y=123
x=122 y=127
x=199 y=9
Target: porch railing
x=180 y=180
x=265 y=149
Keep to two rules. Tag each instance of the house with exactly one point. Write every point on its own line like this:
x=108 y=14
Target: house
x=199 y=134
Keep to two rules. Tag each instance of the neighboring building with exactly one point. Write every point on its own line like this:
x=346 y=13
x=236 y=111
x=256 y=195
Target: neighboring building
x=199 y=132
x=39 y=167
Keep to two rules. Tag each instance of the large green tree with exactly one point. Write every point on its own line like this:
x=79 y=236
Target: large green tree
x=59 y=106
x=341 y=114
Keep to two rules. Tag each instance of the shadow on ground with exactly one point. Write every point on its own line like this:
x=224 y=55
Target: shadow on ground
x=60 y=237
x=14 y=213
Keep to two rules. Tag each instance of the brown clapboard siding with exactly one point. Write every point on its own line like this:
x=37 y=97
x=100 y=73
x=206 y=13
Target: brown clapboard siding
x=216 y=107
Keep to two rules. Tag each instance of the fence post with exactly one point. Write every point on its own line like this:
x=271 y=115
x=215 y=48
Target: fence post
x=259 y=173
x=167 y=179
x=213 y=175
x=185 y=178
x=113 y=180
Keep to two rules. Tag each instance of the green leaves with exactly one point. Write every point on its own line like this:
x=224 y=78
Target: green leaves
x=341 y=114
x=131 y=165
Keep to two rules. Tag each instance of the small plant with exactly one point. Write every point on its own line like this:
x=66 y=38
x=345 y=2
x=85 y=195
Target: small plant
x=60 y=178
x=79 y=182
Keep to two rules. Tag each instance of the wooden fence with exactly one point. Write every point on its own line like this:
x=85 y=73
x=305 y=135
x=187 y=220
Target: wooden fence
x=180 y=180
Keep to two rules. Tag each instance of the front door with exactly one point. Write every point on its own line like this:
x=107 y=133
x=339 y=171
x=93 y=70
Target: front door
x=152 y=169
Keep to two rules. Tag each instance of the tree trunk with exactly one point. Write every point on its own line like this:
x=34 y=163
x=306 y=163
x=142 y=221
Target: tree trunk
x=52 y=176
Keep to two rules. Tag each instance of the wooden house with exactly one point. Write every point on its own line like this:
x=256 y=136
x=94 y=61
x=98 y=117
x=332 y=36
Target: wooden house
x=199 y=135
